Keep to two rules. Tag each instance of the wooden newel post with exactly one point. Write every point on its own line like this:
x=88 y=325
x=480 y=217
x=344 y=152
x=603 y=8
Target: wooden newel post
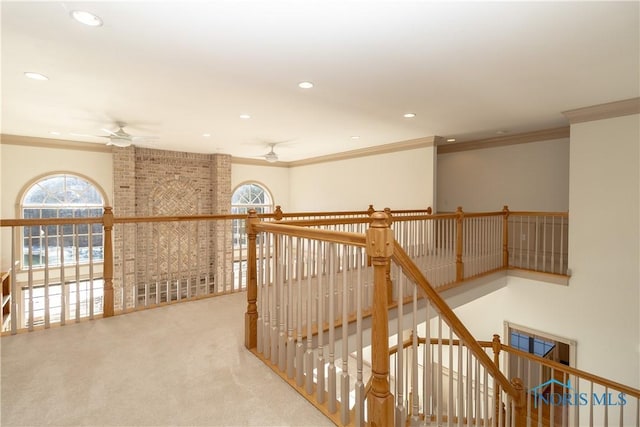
x=459 y=264
x=370 y=210
x=496 y=346
x=251 y=316
x=380 y=248
x=505 y=237
x=278 y=213
x=520 y=403
x=107 y=223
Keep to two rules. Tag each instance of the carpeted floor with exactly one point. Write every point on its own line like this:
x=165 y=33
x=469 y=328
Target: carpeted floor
x=179 y=365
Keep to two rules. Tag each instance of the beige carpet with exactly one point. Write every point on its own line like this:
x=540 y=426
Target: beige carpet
x=183 y=364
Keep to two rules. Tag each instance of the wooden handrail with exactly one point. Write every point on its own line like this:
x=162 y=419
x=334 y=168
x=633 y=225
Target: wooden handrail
x=444 y=341
x=355 y=239
x=306 y=222
x=482 y=214
x=411 y=270
x=424 y=217
x=537 y=213
x=573 y=371
x=325 y=221
x=32 y=222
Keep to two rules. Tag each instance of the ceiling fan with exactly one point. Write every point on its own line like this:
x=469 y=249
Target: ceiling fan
x=121 y=138
x=271 y=156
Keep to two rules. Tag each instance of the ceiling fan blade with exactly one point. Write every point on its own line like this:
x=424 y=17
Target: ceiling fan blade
x=109 y=132
x=85 y=135
x=144 y=138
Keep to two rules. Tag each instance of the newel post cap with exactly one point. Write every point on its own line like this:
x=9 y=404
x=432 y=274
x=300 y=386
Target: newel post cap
x=252 y=218
x=379 y=236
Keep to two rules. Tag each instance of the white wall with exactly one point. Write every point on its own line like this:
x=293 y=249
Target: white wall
x=22 y=164
x=604 y=242
x=600 y=307
x=532 y=176
x=275 y=179
x=400 y=180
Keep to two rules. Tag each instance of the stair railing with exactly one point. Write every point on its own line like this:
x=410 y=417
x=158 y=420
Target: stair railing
x=305 y=320
x=558 y=394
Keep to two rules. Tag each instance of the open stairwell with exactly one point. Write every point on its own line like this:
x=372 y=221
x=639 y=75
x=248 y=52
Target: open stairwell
x=352 y=323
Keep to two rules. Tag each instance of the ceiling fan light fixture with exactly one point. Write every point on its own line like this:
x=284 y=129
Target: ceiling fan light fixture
x=86 y=18
x=119 y=142
x=271 y=157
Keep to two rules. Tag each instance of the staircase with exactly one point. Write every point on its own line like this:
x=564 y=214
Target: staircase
x=351 y=322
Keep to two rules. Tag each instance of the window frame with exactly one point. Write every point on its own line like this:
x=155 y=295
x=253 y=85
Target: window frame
x=21 y=206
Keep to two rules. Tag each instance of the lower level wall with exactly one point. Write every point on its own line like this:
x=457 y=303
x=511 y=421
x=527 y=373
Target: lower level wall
x=607 y=345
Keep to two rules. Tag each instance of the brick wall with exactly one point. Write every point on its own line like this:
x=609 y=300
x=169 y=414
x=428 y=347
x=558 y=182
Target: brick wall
x=149 y=182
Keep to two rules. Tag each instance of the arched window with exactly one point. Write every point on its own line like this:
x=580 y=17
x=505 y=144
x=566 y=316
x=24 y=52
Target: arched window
x=247 y=196
x=61 y=196
x=251 y=196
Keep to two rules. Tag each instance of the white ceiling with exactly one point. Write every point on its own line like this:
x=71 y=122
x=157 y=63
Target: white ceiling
x=178 y=70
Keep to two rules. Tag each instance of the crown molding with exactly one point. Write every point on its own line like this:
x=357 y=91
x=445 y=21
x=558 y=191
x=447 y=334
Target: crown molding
x=411 y=144
x=256 y=162
x=603 y=111
x=30 y=141
x=501 y=141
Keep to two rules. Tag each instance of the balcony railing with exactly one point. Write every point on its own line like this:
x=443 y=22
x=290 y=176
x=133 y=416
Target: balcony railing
x=68 y=269
x=328 y=295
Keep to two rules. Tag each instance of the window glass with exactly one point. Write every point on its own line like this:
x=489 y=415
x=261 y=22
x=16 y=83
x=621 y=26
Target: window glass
x=245 y=197
x=62 y=196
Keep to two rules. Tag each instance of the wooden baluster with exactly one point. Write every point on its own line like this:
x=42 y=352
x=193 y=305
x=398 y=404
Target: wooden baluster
x=290 y=321
x=389 y=220
x=308 y=363
x=400 y=413
x=321 y=261
x=251 y=316
x=265 y=308
x=47 y=304
x=299 y=371
x=359 y=387
x=459 y=264
x=345 y=378
x=261 y=290
x=331 y=370
x=521 y=403
x=107 y=223
x=380 y=249
x=505 y=237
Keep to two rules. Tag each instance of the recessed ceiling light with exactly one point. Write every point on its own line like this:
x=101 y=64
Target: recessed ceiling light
x=206 y=135
x=245 y=116
x=35 y=76
x=53 y=132
x=305 y=85
x=409 y=115
x=86 y=18
x=451 y=140
x=355 y=137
